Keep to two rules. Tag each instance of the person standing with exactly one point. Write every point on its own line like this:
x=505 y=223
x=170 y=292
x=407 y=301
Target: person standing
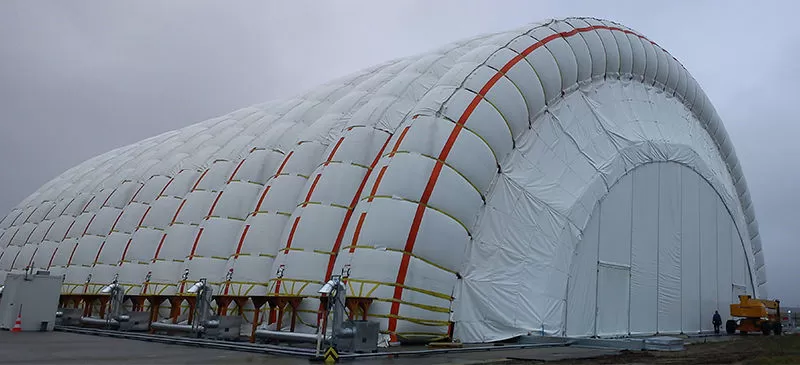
x=717 y=321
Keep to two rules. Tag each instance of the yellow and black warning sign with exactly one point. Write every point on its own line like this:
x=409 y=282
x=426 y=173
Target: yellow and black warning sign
x=331 y=356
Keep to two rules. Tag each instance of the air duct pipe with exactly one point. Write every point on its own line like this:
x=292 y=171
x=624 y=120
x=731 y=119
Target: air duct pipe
x=175 y=327
x=289 y=336
x=115 y=315
x=202 y=312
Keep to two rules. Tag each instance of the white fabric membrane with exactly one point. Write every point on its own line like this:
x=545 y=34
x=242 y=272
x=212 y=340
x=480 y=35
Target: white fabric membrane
x=566 y=178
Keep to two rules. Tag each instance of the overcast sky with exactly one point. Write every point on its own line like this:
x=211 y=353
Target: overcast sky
x=78 y=78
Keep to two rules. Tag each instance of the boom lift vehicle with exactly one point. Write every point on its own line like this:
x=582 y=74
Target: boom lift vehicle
x=755 y=315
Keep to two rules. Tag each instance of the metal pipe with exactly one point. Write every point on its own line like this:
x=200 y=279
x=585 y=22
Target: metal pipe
x=289 y=336
x=320 y=332
x=99 y=322
x=309 y=353
x=454 y=350
x=175 y=327
x=178 y=340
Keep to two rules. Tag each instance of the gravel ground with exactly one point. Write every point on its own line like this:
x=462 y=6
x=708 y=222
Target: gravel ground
x=752 y=349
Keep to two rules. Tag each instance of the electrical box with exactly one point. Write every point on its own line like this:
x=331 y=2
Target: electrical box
x=359 y=336
x=69 y=316
x=134 y=321
x=34 y=296
x=223 y=327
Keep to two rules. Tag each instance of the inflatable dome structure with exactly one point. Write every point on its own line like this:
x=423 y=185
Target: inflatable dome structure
x=567 y=178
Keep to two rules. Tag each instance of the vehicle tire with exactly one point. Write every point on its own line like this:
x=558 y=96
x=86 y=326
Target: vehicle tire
x=766 y=328
x=777 y=329
x=730 y=326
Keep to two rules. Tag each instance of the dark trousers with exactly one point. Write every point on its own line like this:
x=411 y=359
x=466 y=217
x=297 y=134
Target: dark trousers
x=716 y=328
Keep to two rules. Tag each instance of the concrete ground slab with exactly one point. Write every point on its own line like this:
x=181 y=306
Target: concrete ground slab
x=66 y=349
x=562 y=353
x=63 y=348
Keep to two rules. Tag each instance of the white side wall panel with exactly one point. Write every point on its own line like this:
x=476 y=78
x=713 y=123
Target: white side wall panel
x=724 y=270
x=613 y=285
x=644 y=251
x=708 y=255
x=669 y=249
x=615 y=230
x=690 y=252
x=738 y=263
x=582 y=292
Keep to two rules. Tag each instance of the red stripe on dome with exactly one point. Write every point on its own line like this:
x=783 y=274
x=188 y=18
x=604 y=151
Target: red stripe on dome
x=214 y=205
x=445 y=152
x=174 y=217
x=241 y=240
x=44 y=238
x=277 y=173
x=236 y=170
x=194 y=245
x=30 y=262
x=143 y=217
x=88 y=224
x=27 y=239
x=67 y=231
x=400 y=139
x=291 y=236
x=311 y=190
x=198 y=180
x=261 y=200
x=125 y=252
x=116 y=221
x=87 y=204
x=167 y=185
x=349 y=214
x=99 y=250
x=15 y=258
x=136 y=193
x=375 y=186
x=53 y=256
x=357 y=233
x=71 y=254
x=286 y=251
x=108 y=197
x=335 y=148
x=283 y=164
x=158 y=249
